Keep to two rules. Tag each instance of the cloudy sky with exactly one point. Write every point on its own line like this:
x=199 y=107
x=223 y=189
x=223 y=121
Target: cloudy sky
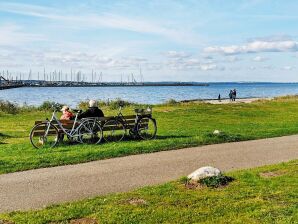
x=189 y=40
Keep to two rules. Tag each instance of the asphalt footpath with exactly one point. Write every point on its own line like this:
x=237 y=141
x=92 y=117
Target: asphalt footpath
x=35 y=189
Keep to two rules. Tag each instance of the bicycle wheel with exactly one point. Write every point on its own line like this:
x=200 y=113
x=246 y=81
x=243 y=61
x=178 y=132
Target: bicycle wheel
x=146 y=128
x=44 y=135
x=90 y=132
x=113 y=130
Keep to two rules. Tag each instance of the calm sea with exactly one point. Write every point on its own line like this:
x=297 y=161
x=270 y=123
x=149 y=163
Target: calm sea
x=147 y=95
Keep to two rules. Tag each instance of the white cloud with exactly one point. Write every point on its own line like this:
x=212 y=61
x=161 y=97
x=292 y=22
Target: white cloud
x=232 y=58
x=177 y=54
x=10 y=64
x=136 y=59
x=209 y=57
x=206 y=67
x=68 y=59
x=13 y=35
x=259 y=59
x=193 y=64
x=268 y=67
x=153 y=66
x=254 y=47
x=288 y=67
x=105 y=20
x=272 y=38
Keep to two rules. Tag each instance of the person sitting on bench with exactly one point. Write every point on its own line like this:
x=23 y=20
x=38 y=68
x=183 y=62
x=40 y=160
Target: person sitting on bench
x=92 y=111
x=66 y=114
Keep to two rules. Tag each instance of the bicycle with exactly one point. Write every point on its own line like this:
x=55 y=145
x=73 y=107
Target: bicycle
x=46 y=134
x=144 y=126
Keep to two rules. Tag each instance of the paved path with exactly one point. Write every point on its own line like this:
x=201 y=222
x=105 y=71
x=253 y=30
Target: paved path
x=38 y=188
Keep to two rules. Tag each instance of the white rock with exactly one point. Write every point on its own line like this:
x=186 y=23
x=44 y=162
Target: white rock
x=203 y=172
x=216 y=132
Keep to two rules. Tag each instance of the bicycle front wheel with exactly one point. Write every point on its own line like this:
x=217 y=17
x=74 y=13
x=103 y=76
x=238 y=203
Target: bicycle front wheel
x=146 y=128
x=44 y=135
x=113 y=131
x=90 y=132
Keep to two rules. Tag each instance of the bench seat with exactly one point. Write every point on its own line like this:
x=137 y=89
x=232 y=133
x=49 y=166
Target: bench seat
x=68 y=124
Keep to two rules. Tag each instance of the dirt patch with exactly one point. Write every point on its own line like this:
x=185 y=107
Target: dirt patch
x=137 y=201
x=271 y=174
x=83 y=221
x=6 y=222
x=192 y=185
x=198 y=186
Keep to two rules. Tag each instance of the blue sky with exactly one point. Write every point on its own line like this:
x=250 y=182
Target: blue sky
x=189 y=40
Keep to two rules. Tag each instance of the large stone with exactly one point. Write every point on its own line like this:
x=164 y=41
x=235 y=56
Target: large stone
x=216 y=132
x=203 y=172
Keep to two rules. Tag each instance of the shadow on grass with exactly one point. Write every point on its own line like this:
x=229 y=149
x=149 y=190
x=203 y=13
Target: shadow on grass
x=2 y=137
x=224 y=137
x=126 y=139
x=172 y=136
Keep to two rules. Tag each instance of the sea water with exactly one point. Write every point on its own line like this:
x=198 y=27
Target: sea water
x=147 y=95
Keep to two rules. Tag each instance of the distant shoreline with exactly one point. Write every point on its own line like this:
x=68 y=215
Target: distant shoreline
x=152 y=84
x=227 y=100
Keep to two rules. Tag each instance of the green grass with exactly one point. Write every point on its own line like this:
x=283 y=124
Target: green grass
x=253 y=197
x=179 y=125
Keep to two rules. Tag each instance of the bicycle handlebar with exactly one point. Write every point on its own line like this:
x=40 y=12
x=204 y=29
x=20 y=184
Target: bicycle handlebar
x=77 y=111
x=55 y=106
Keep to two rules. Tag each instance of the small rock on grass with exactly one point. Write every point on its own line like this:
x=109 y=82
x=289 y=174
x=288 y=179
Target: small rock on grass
x=216 y=132
x=203 y=172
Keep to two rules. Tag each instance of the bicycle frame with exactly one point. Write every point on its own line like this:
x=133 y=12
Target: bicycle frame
x=121 y=118
x=138 y=117
x=69 y=133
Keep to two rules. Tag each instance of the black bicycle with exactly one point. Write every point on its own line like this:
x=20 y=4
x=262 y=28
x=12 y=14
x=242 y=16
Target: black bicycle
x=144 y=126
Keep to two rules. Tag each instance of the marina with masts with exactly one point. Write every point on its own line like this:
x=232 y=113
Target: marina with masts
x=58 y=78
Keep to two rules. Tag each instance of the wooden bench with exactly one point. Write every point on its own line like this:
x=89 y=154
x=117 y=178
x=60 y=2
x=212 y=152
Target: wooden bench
x=68 y=124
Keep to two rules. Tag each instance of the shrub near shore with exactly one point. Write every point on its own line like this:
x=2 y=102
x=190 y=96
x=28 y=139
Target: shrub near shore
x=13 y=108
x=179 y=126
x=110 y=104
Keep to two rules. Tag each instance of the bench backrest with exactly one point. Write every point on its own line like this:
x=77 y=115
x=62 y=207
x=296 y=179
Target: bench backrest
x=68 y=124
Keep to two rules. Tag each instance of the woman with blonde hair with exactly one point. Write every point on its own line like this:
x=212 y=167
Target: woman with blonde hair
x=66 y=114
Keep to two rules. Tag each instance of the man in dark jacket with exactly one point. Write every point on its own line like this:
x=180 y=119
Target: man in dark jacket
x=92 y=111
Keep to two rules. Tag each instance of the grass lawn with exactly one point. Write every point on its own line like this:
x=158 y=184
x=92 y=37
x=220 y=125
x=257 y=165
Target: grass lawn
x=179 y=125
x=261 y=195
